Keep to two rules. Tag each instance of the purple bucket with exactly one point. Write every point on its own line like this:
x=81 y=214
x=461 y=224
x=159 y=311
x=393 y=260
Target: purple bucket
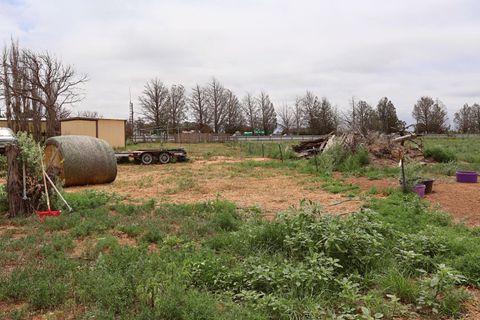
x=467 y=176
x=420 y=190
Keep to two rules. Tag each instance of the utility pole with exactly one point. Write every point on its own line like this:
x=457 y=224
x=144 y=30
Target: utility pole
x=353 y=114
x=132 y=121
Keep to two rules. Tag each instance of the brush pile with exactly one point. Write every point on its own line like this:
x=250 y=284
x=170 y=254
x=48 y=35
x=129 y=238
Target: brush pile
x=379 y=145
x=25 y=184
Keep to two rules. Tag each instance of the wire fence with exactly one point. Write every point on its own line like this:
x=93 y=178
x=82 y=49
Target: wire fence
x=210 y=137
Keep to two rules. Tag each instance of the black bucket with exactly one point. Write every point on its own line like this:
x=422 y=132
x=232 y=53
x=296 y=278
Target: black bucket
x=428 y=185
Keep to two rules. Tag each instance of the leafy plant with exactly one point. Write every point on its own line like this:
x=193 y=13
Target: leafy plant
x=439 y=154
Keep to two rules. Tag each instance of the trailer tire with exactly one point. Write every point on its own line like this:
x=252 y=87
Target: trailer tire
x=146 y=158
x=164 y=158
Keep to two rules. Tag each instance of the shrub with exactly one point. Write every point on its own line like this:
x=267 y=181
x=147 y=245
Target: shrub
x=3 y=166
x=3 y=198
x=225 y=220
x=153 y=236
x=439 y=154
x=401 y=286
x=88 y=199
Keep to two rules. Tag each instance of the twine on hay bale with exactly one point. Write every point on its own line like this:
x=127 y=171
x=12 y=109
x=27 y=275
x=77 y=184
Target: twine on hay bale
x=81 y=160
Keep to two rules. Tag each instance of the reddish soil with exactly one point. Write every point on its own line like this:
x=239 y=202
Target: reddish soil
x=461 y=200
x=271 y=189
x=472 y=307
x=366 y=184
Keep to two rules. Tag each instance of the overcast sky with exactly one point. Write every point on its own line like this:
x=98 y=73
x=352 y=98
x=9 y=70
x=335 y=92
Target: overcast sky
x=338 y=49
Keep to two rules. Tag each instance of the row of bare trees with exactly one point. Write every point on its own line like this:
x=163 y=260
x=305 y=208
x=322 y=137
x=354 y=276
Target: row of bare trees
x=312 y=115
x=212 y=107
x=36 y=86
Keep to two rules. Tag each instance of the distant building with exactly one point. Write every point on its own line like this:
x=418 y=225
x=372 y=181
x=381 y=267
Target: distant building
x=43 y=126
x=110 y=130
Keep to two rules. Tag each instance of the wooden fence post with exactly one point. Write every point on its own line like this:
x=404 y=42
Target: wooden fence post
x=281 y=152
x=315 y=158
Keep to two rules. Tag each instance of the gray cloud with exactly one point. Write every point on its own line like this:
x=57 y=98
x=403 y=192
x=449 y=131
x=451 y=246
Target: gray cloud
x=370 y=48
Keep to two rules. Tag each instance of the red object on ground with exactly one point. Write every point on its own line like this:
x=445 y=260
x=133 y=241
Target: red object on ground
x=51 y=213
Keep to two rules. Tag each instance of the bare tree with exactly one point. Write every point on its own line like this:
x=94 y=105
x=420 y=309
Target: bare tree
x=310 y=108
x=89 y=114
x=52 y=84
x=176 y=106
x=154 y=102
x=287 y=119
x=37 y=85
x=476 y=118
x=12 y=78
x=298 y=115
x=5 y=83
x=234 y=120
x=318 y=114
x=430 y=115
x=361 y=118
x=199 y=108
x=268 y=115
x=250 y=109
x=217 y=104
x=327 y=117
x=463 y=119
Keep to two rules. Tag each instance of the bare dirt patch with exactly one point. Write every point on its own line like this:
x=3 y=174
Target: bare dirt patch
x=472 y=307
x=11 y=306
x=15 y=232
x=461 y=200
x=271 y=189
x=124 y=240
x=366 y=184
x=79 y=248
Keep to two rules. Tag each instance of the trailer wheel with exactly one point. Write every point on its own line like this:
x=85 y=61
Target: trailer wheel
x=146 y=158
x=164 y=158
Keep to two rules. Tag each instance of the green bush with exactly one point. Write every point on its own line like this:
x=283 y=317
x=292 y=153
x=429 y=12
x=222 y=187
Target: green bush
x=3 y=166
x=88 y=199
x=214 y=261
x=3 y=198
x=439 y=154
x=153 y=236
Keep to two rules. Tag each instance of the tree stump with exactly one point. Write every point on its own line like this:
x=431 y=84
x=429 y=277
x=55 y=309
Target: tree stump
x=16 y=204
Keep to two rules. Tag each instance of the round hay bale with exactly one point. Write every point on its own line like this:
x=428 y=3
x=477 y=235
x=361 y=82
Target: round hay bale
x=81 y=160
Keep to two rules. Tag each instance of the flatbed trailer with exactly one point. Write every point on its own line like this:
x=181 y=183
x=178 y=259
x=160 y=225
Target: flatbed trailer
x=150 y=156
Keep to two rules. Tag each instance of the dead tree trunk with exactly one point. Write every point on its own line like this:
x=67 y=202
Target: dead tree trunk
x=16 y=204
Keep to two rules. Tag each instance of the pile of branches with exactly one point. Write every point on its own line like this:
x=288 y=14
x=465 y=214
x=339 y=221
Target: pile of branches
x=379 y=145
x=25 y=188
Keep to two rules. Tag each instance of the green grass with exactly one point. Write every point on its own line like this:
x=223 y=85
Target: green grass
x=215 y=261
x=464 y=149
x=439 y=154
x=229 y=149
x=195 y=150
x=211 y=260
